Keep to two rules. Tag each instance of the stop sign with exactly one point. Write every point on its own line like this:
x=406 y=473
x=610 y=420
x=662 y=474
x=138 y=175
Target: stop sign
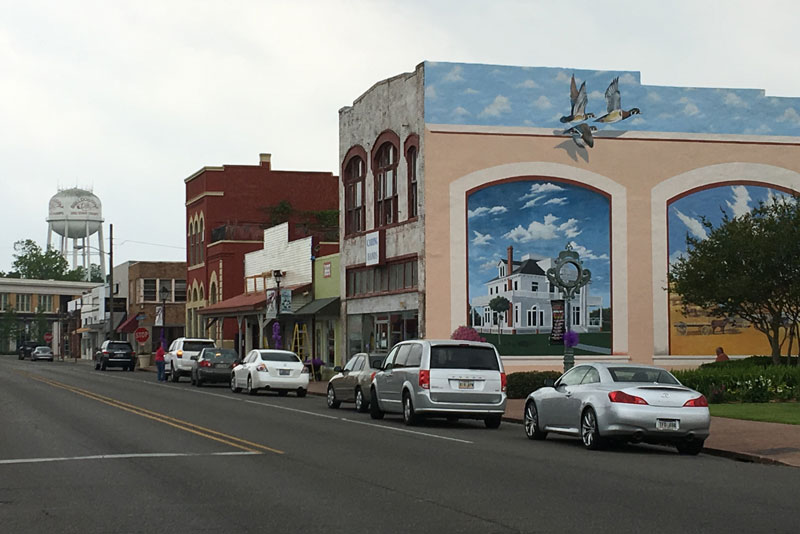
x=48 y=337
x=141 y=335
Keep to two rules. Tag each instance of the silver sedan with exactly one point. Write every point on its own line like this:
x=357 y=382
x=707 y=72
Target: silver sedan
x=599 y=402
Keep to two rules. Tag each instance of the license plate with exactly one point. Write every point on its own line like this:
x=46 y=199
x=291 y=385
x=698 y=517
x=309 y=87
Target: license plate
x=285 y=372
x=667 y=424
x=466 y=384
x=221 y=365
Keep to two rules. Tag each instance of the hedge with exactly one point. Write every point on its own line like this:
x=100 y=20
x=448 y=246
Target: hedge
x=753 y=379
x=520 y=384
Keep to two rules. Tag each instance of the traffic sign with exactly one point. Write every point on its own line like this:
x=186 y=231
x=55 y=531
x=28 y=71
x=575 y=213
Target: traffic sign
x=48 y=337
x=141 y=335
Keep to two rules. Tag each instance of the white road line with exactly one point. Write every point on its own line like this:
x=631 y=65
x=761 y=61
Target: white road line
x=385 y=427
x=290 y=409
x=123 y=456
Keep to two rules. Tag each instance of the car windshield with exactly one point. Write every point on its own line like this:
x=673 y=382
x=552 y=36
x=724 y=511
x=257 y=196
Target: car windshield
x=197 y=346
x=279 y=357
x=641 y=374
x=43 y=349
x=220 y=355
x=464 y=357
x=119 y=346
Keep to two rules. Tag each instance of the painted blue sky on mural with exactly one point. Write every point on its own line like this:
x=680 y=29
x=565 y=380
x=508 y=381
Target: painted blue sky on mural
x=539 y=218
x=493 y=95
x=685 y=213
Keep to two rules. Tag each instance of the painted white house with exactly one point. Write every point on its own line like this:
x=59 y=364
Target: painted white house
x=526 y=286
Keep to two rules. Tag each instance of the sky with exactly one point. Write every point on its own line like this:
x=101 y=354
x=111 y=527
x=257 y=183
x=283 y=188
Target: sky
x=129 y=99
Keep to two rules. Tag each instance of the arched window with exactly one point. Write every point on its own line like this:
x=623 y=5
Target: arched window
x=385 y=168
x=354 y=173
x=412 y=151
x=201 y=253
x=535 y=316
x=212 y=293
x=191 y=243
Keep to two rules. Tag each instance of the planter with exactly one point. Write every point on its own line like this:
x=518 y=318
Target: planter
x=144 y=360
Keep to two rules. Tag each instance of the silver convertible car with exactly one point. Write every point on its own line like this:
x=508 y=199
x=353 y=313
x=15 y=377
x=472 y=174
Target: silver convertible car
x=599 y=402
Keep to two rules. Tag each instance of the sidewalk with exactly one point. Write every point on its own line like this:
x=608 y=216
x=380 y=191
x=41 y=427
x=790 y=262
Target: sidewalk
x=749 y=441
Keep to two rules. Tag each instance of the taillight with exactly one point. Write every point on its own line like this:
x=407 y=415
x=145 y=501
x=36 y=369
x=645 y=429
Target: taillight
x=261 y=367
x=502 y=381
x=205 y=363
x=699 y=402
x=106 y=352
x=179 y=354
x=621 y=396
x=425 y=379
x=372 y=376
x=133 y=353
x=305 y=370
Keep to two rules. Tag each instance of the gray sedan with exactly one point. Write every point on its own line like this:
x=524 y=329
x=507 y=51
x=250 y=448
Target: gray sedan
x=351 y=384
x=599 y=402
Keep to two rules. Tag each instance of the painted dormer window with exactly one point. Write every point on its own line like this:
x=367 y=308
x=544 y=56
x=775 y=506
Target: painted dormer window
x=386 y=185
x=354 y=195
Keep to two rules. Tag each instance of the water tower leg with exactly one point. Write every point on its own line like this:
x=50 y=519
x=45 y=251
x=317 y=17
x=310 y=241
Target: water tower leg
x=49 y=234
x=74 y=252
x=101 y=246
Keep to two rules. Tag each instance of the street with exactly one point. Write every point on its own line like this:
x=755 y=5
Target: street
x=90 y=451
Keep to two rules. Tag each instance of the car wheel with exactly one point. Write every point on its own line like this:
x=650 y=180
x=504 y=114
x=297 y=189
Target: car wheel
x=375 y=411
x=198 y=382
x=234 y=387
x=21 y=357
x=250 y=390
x=410 y=417
x=493 y=421
x=332 y=402
x=173 y=374
x=302 y=392
x=690 y=447
x=589 y=433
x=531 y=421
x=361 y=403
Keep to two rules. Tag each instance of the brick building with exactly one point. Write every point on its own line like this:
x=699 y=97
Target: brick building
x=227 y=210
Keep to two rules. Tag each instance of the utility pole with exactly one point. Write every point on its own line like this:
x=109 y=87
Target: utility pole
x=111 y=277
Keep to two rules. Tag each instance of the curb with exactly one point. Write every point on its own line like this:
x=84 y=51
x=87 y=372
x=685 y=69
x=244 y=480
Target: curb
x=745 y=457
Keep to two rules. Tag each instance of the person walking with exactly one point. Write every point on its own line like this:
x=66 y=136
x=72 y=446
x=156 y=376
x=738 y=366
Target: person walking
x=160 y=363
x=721 y=356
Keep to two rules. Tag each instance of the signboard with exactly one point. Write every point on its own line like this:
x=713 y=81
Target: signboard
x=48 y=337
x=141 y=335
x=286 y=301
x=557 y=334
x=159 y=316
x=326 y=269
x=373 y=248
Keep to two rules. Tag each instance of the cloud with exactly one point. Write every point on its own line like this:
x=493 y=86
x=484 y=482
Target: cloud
x=734 y=100
x=691 y=109
x=596 y=95
x=546 y=187
x=585 y=253
x=542 y=102
x=675 y=256
x=695 y=227
x=430 y=91
x=790 y=116
x=481 y=239
x=741 y=201
x=487 y=266
x=562 y=76
x=483 y=210
x=652 y=96
x=637 y=121
x=547 y=229
x=499 y=106
x=531 y=203
x=471 y=91
x=557 y=201
x=762 y=129
x=627 y=78
x=454 y=75
x=528 y=84
x=461 y=112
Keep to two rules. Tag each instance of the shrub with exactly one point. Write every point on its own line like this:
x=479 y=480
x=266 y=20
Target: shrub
x=519 y=385
x=749 y=380
x=466 y=333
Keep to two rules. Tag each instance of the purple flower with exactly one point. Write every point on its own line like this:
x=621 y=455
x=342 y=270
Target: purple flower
x=571 y=338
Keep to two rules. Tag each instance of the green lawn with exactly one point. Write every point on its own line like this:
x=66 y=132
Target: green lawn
x=772 y=412
x=535 y=344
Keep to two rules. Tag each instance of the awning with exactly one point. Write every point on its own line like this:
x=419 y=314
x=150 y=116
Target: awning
x=328 y=306
x=129 y=325
x=81 y=330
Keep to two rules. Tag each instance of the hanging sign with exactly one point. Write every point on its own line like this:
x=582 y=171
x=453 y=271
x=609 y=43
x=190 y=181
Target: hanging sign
x=557 y=333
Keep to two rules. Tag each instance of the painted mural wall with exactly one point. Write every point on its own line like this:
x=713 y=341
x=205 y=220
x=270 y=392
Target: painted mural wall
x=533 y=220
x=693 y=331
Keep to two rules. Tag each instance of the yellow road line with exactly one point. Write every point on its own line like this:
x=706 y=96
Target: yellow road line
x=233 y=441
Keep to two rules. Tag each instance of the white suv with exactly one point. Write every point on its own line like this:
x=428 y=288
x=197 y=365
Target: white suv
x=178 y=361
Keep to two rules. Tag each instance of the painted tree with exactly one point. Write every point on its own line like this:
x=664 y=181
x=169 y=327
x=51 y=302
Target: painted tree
x=499 y=305
x=748 y=267
x=8 y=329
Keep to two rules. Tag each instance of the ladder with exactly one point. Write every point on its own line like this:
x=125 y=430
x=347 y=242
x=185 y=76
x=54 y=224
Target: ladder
x=300 y=341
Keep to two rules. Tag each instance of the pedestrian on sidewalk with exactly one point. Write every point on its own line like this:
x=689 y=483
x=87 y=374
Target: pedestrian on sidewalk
x=721 y=356
x=160 y=363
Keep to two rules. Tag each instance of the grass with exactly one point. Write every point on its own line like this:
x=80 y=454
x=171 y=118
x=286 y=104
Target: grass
x=539 y=344
x=771 y=412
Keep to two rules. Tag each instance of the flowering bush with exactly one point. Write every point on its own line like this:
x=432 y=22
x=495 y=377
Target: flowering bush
x=571 y=338
x=466 y=333
x=740 y=380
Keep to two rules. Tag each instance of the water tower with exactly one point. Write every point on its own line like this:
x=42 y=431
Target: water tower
x=77 y=214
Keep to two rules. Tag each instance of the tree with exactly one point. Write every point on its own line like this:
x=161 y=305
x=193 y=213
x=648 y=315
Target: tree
x=30 y=261
x=8 y=329
x=748 y=267
x=500 y=305
x=39 y=327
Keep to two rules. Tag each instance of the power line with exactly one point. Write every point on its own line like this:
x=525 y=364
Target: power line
x=147 y=243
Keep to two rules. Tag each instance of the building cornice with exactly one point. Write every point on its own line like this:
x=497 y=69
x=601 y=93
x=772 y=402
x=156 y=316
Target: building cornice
x=201 y=171
x=205 y=194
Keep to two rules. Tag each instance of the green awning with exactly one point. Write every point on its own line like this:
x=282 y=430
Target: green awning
x=328 y=306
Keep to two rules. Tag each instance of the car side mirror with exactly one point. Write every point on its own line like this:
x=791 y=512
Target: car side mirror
x=549 y=383
x=194 y=358
x=337 y=369
x=237 y=362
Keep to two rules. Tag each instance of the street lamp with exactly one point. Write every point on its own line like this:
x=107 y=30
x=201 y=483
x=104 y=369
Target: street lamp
x=568 y=275
x=165 y=293
x=277 y=275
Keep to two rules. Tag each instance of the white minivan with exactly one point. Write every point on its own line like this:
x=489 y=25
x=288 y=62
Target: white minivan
x=178 y=361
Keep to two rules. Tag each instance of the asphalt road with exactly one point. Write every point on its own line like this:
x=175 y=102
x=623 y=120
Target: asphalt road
x=89 y=451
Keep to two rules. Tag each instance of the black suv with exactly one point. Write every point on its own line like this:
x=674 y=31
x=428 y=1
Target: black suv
x=115 y=354
x=26 y=348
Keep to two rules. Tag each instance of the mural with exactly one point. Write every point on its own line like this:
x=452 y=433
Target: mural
x=494 y=95
x=693 y=331
x=529 y=221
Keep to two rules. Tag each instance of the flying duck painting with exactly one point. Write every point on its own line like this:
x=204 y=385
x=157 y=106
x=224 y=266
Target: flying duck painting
x=614 y=103
x=582 y=134
x=577 y=100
